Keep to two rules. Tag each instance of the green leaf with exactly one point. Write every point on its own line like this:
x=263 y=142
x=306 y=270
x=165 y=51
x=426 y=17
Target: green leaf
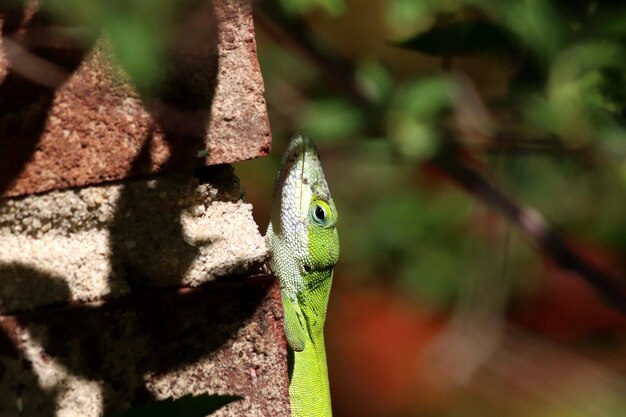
x=136 y=46
x=187 y=406
x=611 y=25
x=405 y=17
x=375 y=80
x=537 y=24
x=462 y=38
x=584 y=89
x=331 y=119
x=412 y=118
x=333 y=7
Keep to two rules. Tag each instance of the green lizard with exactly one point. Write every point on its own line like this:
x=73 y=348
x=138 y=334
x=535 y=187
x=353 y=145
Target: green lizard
x=305 y=247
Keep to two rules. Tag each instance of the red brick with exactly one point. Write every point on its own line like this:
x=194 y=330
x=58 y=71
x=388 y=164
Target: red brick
x=95 y=126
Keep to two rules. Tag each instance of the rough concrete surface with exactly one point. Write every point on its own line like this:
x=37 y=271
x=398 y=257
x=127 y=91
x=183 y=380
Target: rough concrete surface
x=93 y=242
x=100 y=225
x=92 y=125
x=99 y=360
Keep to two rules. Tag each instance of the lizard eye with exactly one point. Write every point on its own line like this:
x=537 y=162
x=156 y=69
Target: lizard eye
x=319 y=213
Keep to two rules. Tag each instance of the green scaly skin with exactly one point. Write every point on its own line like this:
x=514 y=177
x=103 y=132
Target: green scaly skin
x=302 y=238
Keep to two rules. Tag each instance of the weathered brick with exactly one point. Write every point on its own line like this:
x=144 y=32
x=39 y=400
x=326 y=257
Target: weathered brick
x=95 y=359
x=94 y=126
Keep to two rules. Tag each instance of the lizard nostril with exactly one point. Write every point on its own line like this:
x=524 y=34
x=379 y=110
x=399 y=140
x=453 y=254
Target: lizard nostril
x=307 y=267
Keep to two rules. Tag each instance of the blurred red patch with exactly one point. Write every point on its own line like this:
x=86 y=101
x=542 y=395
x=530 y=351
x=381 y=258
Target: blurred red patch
x=566 y=308
x=374 y=341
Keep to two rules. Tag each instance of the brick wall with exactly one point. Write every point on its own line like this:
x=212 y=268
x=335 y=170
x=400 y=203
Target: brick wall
x=129 y=260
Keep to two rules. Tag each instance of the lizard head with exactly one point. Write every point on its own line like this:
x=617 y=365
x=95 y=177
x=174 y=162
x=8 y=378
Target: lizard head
x=302 y=234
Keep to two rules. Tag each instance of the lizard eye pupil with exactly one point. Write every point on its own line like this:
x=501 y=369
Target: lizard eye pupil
x=320 y=213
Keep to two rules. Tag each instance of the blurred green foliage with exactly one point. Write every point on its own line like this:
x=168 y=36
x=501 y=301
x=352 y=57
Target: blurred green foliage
x=333 y=7
x=413 y=115
x=553 y=135
x=340 y=118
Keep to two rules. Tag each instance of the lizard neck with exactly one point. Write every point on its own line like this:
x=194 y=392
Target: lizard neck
x=309 y=390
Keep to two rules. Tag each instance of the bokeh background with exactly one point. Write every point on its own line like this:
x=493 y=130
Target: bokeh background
x=443 y=306
x=476 y=151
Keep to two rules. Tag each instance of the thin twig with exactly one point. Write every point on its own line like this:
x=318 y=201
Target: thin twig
x=28 y=65
x=534 y=226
